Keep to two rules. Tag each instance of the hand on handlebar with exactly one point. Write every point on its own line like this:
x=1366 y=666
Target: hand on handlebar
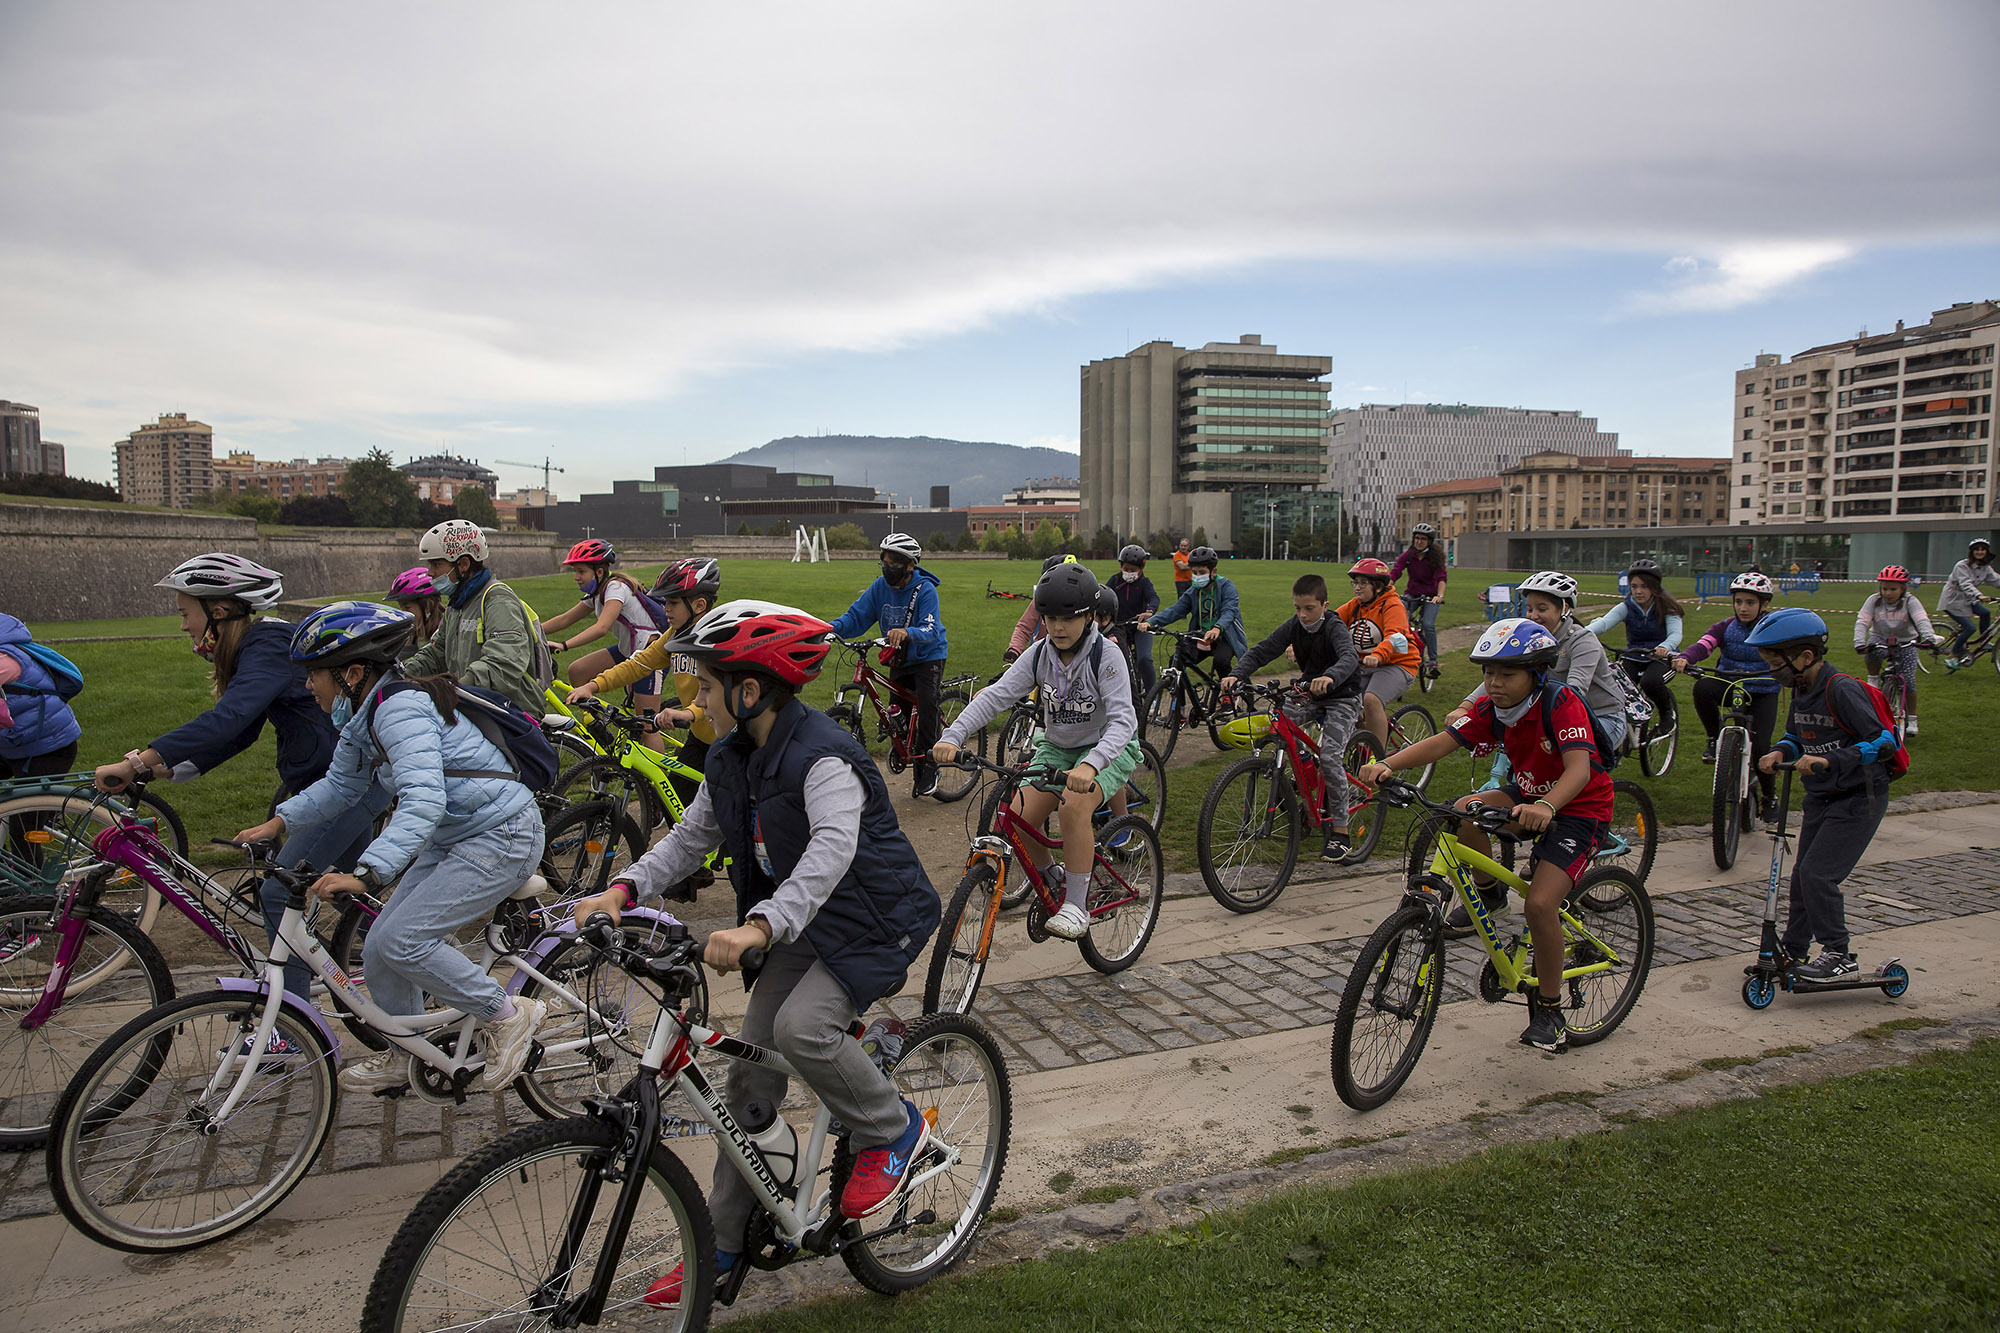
x=1228 y=684
x=610 y=903
x=581 y=693
x=1532 y=816
x=1375 y=773
x=726 y=948
x=1319 y=685
x=118 y=776
x=1679 y=664
x=332 y=883
x=944 y=752
x=271 y=830
x=1081 y=780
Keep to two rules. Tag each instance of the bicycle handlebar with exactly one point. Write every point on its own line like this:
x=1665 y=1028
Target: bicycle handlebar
x=1043 y=777
x=1396 y=792
x=683 y=951
x=613 y=716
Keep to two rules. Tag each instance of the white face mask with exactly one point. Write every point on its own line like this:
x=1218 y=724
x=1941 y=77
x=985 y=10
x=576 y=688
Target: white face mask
x=1128 y=576
x=1200 y=580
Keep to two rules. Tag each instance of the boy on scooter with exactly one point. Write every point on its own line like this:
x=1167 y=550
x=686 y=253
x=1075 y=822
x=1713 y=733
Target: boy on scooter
x=1842 y=750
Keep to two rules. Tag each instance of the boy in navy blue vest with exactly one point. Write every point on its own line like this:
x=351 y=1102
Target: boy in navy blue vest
x=826 y=883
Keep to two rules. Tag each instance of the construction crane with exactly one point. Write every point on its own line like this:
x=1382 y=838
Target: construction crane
x=545 y=465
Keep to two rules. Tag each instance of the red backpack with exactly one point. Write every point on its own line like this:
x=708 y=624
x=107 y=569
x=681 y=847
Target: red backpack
x=1897 y=760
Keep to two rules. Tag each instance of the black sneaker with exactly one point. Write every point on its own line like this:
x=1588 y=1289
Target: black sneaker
x=926 y=780
x=1546 y=1030
x=1708 y=753
x=1767 y=810
x=1459 y=923
x=1829 y=966
x=1335 y=848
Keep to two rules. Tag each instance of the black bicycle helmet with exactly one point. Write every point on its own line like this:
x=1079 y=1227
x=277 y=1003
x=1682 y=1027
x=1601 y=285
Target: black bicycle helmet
x=1650 y=568
x=1132 y=555
x=1107 y=602
x=1057 y=559
x=1066 y=590
x=1204 y=555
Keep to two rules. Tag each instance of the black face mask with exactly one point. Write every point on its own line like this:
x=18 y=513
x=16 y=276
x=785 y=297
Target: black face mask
x=1789 y=672
x=896 y=575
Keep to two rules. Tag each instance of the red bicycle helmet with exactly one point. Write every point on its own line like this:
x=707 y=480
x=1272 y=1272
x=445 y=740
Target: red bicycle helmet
x=1368 y=567
x=1893 y=574
x=744 y=635
x=591 y=551
x=696 y=576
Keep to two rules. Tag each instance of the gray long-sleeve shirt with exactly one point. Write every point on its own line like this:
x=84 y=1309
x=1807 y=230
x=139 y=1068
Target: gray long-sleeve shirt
x=1961 y=586
x=833 y=796
x=1082 y=708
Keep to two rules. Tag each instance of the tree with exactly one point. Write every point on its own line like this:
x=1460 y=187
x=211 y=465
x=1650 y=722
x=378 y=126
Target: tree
x=57 y=488
x=1250 y=542
x=317 y=511
x=995 y=540
x=254 y=504
x=1046 y=541
x=474 y=503
x=1200 y=537
x=743 y=529
x=937 y=541
x=1017 y=545
x=1375 y=534
x=1161 y=544
x=1105 y=544
x=378 y=493
x=966 y=541
x=846 y=537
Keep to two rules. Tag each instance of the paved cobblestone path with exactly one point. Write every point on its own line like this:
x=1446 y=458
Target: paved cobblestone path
x=1057 y=1022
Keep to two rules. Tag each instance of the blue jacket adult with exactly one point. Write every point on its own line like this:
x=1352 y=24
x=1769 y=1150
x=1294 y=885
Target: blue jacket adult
x=1210 y=608
x=912 y=607
x=407 y=748
x=42 y=722
x=877 y=920
x=267 y=685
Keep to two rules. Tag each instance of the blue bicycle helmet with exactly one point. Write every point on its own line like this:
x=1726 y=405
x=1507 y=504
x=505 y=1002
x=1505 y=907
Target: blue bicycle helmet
x=1517 y=643
x=1785 y=625
x=345 y=632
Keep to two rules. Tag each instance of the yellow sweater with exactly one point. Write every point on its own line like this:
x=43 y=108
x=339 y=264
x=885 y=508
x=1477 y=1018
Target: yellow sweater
x=655 y=657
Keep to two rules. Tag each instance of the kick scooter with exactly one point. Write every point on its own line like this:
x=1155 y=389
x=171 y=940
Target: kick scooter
x=1772 y=971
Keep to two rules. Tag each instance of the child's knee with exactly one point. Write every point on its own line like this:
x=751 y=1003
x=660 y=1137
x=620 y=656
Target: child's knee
x=802 y=1038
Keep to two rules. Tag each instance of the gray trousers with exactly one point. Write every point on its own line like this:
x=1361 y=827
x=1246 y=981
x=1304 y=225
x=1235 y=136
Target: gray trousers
x=1834 y=830
x=798 y=1008
x=1336 y=718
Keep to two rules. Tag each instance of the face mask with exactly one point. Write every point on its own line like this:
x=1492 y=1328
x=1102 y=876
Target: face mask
x=204 y=647
x=343 y=712
x=895 y=575
x=1520 y=710
x=1314 y=623
x=442 y=584
x=589 y=589
x=1200 y=580
x=1128 y=576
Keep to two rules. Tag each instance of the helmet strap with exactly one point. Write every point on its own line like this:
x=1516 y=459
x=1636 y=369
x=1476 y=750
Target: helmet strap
x=732 y=693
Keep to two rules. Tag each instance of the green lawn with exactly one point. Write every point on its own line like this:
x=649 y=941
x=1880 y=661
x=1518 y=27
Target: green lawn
x=1867 y=1202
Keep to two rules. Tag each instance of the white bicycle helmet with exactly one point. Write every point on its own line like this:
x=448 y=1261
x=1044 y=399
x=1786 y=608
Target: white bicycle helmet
x=453 y=538
x=903 y=544
x=1552 y=583
x=221 y=574
x=1752 y=581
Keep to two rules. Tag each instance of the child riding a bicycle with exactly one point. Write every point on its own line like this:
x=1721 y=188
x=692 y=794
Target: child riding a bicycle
x=1380 y=627
x=1210 y=604
x=1425 y=562
x=904 y=601
x=1320 y=644
x=1558 y=792
x=1089 y=727
x=1136 y=598
x=1653 y=626
x=1750 y=595
x=1841 y=746
x=1962 y=600
x=826 y=883
x=1891 y=625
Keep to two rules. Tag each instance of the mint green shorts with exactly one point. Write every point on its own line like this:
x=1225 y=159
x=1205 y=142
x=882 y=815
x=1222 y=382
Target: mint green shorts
x=1115 y=773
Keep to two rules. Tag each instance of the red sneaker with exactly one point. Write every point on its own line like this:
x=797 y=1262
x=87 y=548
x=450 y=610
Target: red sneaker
x=879 y=1173
x=666 y=1290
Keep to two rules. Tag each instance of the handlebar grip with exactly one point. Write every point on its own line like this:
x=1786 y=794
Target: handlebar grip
x=751 y=959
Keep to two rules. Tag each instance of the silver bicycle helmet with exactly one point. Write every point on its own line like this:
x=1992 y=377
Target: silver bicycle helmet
x=222 y=574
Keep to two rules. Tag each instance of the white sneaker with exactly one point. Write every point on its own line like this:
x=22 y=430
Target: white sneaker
x=1070 y=923
x=1910 y=725
x=385 y=1072
x=506 y=1042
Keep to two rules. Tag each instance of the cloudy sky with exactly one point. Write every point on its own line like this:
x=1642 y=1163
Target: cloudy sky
x=637 y=234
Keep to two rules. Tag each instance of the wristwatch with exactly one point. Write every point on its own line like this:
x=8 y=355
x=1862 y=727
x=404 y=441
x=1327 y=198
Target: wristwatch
x=368 y=878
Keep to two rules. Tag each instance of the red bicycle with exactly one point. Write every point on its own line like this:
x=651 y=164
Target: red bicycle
x=1257 y=810
x=1126 y=883
x=896 y=719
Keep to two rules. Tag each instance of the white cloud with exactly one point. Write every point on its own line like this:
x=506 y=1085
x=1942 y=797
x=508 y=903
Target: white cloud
x=1740 y=276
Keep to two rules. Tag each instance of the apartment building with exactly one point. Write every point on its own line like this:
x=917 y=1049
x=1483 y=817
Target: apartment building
x=1551 y=489
x=440 y=477
x=1454 y=508
x=1877 y=429
x=1377 y=452
x=1169 y=436
x=241 y=472
x=23 y=451
x=170 y=462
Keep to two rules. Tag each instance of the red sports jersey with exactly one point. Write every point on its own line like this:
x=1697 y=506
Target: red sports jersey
x=1537 y=765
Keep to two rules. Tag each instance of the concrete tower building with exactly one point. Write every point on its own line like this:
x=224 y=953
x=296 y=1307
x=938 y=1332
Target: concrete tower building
x=167 y=463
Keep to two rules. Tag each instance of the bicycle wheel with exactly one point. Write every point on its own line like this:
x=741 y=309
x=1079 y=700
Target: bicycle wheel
x=1726 y=807
x=1247 y=839
x=71 y=825
x=37 y=1063
x=1616 y=919
x=1425 y=680
x=593 y=1053
x=485 y=1246
x=1126 y=884
x=1634 y=835
x=585 y=845
x=1145 y=791
x=849 y=715
x=1017 y=738
x=1408 y=725
x=1658 y=740
x=602 y=778
x=964 y=940
x=955 y=784
x=1166 y=708
x=1365 y=814
x=163 y=1174
x=952 y=1071
x=1389 y=1004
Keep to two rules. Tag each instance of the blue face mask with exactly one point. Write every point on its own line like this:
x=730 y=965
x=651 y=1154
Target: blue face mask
x=442 y=584
x=589 y=589
x=1200 y=580
x=343 y=712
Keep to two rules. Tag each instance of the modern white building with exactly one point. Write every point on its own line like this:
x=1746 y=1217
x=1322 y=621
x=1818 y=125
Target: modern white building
x=1381 y=450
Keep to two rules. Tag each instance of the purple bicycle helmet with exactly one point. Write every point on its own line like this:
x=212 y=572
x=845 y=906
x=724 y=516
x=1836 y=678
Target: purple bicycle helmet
x=411 y=585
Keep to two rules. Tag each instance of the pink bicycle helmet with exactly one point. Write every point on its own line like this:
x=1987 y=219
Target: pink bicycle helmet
x=412 y=585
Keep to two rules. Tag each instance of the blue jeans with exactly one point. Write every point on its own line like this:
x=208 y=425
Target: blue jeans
x=334 y=845
x=409 y=953
x=1428 y=628
x=1965 y=630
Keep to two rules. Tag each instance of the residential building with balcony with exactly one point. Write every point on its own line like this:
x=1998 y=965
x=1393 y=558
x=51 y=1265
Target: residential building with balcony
x=23 y=451
x=170 y=462
x=1454 y=508
x=241 y=473
x=1551 y=489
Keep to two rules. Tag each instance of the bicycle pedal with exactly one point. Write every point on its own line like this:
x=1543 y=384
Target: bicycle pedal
x=391 y=1094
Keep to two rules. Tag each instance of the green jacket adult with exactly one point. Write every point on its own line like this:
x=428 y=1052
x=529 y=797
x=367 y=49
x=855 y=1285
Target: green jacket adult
x=486 y=638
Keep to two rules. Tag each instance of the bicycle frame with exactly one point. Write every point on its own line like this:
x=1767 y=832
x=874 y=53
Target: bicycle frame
x=870 y=682
x=1303 y=754
x=1008 y=826
x=1455 y=862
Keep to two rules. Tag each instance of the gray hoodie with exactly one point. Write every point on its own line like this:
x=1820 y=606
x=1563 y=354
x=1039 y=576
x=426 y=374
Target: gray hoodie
x=1082 y=708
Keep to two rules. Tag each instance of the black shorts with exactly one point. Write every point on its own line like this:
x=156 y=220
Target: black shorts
x=1567 y=843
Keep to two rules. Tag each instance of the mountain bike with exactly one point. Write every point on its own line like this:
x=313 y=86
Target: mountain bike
x=575 y=1222
x=1897 y=686
x=1144 y=794
x=1127 y=881
x=1390 y=1001
x=1732 y=799
x=189 y=1123
x=68 y=806
x=1428 y=671
x=1984 y=644
x=634 y=790
x=574 y=738
x=1630 y=841
x=896 y=719
x=1258 y=808
x=1186 y=691
x=1659 y=734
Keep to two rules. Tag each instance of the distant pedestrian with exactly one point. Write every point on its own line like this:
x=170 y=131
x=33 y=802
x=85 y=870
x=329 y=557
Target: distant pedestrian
x=1183 y=572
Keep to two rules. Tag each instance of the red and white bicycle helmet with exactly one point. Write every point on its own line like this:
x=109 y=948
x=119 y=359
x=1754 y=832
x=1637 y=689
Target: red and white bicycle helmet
x=453 y=538
x=223 y=574
x=1368 y=567
x=1893 y=574
x=1752 y=582
x=591 y=551
x=696 y=576
x=746 y=635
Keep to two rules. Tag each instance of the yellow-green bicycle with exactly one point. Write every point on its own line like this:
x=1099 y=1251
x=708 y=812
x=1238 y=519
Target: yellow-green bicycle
x=610 y=805
x=1392 y=995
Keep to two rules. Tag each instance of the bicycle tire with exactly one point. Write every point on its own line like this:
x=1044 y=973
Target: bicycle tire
x=1402 y=965
x=955 y=784
x=126 y=894
x=1614 y=906
x=1165 y=713
x=1408 y=725
x=172 y=1050
x=1135 y=870
x=492 y=1194
x=941 y=1053
x=1145 y=791
x=1366 y=818
x=1658 y=745
x=1260 y=827
x=620 y=1022
x=584 y=845
x=848 y=715
x=1426 y=682
x=964 y=942
x=1726 y=824
x=1635 y=823
x=37 y=1064
x=1017 y=738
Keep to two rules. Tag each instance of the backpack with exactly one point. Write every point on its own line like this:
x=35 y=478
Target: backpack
x=542 y=662
x=1897 y=761
x=516 y=734
x=68 y=681
x=1552 y=691
x=651 y=605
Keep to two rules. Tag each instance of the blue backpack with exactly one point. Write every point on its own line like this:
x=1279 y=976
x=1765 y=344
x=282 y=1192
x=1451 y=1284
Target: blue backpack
x=517 y=735
x=68 y=681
